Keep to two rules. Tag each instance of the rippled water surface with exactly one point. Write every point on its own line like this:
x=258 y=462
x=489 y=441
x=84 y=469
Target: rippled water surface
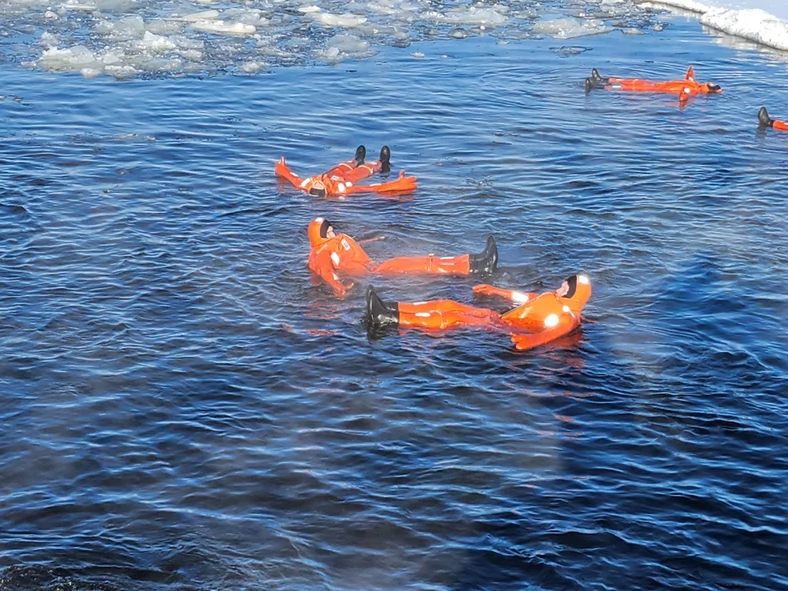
x=183 y=408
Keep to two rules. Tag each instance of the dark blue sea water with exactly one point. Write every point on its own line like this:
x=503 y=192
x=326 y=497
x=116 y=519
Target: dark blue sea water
x=183 y=408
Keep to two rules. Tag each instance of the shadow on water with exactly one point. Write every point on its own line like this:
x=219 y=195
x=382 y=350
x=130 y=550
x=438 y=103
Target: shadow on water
x=686 y=449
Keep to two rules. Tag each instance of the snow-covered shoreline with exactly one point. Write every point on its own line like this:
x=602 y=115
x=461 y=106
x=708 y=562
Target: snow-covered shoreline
x=754 y=24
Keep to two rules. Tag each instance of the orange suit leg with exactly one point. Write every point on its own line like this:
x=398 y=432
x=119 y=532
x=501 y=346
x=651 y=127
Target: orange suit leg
x=677 y=87
x=776 y=124
x=441 y=314
x=633 y=85
x=429 y=265
x=361 y=172
x=341 y=169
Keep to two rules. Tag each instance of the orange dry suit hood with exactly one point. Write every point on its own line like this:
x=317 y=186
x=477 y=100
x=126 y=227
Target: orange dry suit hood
x=579 y=292
x=318 y=229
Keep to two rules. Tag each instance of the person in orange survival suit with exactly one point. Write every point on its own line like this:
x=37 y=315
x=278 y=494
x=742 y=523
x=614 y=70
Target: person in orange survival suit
x=765 y=121
x=684 y=88
x=538 y=319
x=341 y=180
x=334 y=255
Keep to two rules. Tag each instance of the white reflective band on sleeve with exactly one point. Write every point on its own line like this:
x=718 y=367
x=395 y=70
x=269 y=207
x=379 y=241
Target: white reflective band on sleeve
x=304 y=183
x=551 y=320
x=341 y=187
x=583 y=279
x=519 y=297
x=335 y=259
x=567 y=309
x=423 y=314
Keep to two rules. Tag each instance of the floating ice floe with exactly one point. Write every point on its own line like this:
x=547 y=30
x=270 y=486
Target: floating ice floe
x=569 y=28
x=348 y=43
x=339 y=20
x=250 y=67
x=476 y=16
x=201 y=16
x=121 y=72
x=343 y=47
x=81 y=6
x=155 y=43
x=130 y=27
x=71 y=59
x=218 y=26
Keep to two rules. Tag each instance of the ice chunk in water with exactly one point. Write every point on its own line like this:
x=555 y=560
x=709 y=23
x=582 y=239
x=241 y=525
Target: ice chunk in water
x=131 y=27
x=155 y=43
x=340 y=20
x=250 y=67
x=48 y=41
x=201 y=16
x=348 y=43
x=74 y=58
x=475 y=16
x=568 y=28
x=224 y=28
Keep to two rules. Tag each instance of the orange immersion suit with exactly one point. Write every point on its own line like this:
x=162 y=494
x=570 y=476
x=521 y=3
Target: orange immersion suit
x=538 y=319
x=765 y=121
x=341 y=180
x=684 y=88
x=334 y=255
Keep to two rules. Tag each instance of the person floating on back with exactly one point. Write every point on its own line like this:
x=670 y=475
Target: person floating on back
x=765 y=121
x=684 y=88
x=341 y=180
x=537 y=320
x=336 y=255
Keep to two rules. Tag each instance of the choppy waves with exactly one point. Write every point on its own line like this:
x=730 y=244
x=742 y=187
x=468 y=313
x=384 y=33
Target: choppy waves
x=183 y=408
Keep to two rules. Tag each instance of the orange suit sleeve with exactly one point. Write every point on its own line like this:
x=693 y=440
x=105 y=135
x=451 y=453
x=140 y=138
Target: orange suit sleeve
x=283 y=171
x=518 y=297
x=323 y=266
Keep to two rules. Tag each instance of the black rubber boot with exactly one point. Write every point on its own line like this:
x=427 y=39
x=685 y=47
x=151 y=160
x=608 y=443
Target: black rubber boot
x=358 y=159
x=763 y=118
x=487 y=261
x=385 y=157
x=595 y=77
x=379 y=313
x=596 y=81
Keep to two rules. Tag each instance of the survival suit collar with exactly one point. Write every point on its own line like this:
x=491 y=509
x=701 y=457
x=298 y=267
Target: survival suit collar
x=318 y=231
x=579 y=288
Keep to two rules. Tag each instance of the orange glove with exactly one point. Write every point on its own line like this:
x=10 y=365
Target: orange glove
x=342 y=289
x=518 y=297
x=485 y=289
